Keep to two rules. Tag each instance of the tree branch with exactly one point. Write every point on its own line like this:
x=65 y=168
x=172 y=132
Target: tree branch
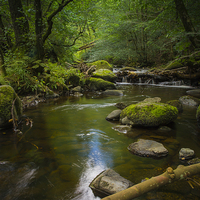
x=182 y=172
x=51 y=16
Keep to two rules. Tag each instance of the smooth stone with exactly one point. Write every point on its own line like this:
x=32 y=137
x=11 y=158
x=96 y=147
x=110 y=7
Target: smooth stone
x=186 y=153
x=148 y=148
x=190 y=101
x=194 y=93
x=114 y=115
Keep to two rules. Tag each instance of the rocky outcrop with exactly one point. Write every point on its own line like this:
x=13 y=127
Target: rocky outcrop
x=109 y=182
x=148 y=148
x=114 y=115
x=148 y=114
x=7 y=98
x=105 y=74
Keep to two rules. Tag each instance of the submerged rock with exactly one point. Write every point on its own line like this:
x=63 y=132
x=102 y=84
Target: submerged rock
x=121 y=105
x=109 y=182
x=7 y=97
x=148 y=148
x=148 y=114
x=193 y=161
x=186 y=154
x=189 y=100
x=114 y=115
x=122 y=128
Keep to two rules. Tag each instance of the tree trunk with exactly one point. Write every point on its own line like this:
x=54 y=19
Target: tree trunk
x=39 y=30
x=167 y=177
x=187 y=23
x=19 y=21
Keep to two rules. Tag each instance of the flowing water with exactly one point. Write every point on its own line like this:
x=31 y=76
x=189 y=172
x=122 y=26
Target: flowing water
x=70 y=143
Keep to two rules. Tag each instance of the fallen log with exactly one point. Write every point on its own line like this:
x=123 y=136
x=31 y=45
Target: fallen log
x=182 y=172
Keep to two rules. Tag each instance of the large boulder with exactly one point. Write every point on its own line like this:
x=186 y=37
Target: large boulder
x=7 y=97
x=109 y=182
x=198 y=116
x=95 y=84
x=105 y=74
x=148 y=148
x=148 y=114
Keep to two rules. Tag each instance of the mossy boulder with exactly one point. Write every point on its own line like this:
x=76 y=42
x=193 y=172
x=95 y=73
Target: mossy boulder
x=101 y=64
x=198 y=116
x=174 y=65
x=148 y=114
x=177 y=104
x=7 y=96
x=95 y=84
x=105 y=74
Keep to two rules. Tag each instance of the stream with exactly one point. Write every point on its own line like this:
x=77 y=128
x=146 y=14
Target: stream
x=70 y=143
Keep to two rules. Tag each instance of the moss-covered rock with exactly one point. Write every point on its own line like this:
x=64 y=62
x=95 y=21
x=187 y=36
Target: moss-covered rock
x=7 y=96
x=99 y=84
x=177 y=104
x=174 y=65
x=148 y=114
x=101 y=64
x=198 y=116
x=105 y=74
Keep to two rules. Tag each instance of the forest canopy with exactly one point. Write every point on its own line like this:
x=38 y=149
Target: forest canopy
x=123 y=32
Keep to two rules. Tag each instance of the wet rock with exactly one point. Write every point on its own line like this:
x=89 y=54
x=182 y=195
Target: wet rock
x=189 y=100
x=114 y=115
x=113 y=92
x=153 y=100
x=177 y=104
x=186 y=154
x=122 y=128
x=7 y=96
x=148 y=114
x=148 y=148
x=198 y=116
x=120 y=105
x=109 y=182
x=194 y=93
x=193 y=161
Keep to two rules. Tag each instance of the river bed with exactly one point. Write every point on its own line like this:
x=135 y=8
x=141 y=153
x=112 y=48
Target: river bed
x=70 y=143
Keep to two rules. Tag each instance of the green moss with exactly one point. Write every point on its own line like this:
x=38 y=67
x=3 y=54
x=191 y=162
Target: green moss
x=99 y=84
x=101 y=64
x=7 y=96
x=174 y=65
x=105 y=74
x=150 y=114
x=128 y=69
x=177 y=104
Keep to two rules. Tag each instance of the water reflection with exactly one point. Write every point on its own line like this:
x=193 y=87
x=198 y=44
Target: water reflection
x=94 y=165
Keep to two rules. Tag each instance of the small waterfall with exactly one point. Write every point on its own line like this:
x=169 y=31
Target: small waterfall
x=124 y=79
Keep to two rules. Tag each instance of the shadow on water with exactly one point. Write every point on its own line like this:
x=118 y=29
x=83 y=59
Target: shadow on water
x=70 y=143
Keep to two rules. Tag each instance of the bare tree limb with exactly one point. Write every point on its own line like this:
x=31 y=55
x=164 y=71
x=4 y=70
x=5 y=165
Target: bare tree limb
x=182 y=172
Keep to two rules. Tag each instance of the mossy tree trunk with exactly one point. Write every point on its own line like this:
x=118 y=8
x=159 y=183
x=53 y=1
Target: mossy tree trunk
x=182 y=172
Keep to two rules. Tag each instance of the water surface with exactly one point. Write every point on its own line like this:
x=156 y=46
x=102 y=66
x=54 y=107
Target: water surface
x=70 y=143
